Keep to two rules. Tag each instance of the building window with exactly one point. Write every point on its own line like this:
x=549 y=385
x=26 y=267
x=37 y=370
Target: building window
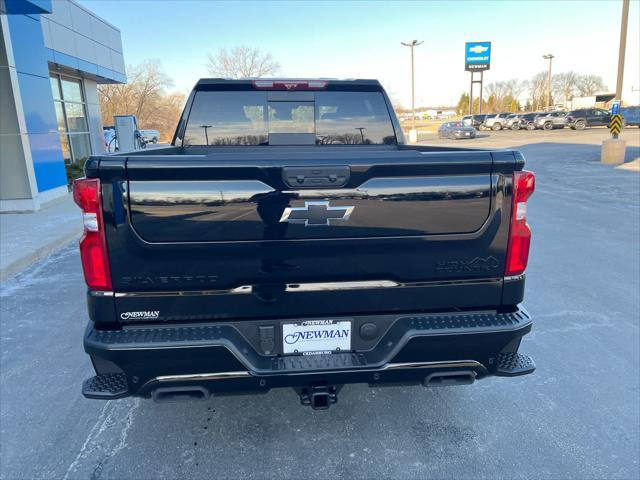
x=71 y=114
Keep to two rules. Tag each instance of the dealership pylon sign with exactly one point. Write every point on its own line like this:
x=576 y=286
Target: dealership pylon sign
x=477 y=56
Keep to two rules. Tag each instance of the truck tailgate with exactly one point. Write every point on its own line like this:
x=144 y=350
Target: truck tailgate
x=298 y=231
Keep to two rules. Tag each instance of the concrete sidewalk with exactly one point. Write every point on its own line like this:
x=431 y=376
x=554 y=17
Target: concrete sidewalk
x=25 y=238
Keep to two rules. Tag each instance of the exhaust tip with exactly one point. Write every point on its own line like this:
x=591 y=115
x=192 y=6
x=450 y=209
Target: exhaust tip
x=445 y=379
x=179 y=394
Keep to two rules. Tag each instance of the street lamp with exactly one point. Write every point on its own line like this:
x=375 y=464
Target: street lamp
x=549 y=57
x=412 y=45
x=206 y=132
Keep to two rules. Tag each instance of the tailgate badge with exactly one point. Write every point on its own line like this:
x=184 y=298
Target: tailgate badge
x=316 y=214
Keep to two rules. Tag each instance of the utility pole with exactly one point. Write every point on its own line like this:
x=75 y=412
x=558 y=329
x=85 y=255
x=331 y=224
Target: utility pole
x=206 y=132
x=623 y=47
x=614 y=148
x=549 y=57
x=412 y=45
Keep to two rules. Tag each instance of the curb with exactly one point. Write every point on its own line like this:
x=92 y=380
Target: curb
x=22 y=263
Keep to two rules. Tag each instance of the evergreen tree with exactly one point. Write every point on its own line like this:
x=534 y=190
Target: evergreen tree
x=462 y=108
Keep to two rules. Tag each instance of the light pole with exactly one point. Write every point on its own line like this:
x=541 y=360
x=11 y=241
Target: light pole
x=206 y=132
x=623 y=46
x=549 y=57
x=412 y=45
x=614 y=148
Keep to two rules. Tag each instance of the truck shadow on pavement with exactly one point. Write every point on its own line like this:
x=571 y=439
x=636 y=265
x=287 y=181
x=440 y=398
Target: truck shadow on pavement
x=400 y=429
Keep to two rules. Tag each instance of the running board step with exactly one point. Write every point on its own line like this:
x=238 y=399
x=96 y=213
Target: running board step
x=107 y=386
x=514 y=364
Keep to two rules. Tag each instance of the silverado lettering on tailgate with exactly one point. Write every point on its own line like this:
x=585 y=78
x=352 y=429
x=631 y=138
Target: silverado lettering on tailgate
x=478 y=264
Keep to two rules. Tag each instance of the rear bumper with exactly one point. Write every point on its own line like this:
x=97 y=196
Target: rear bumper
x=225 y=358
x=465 y=134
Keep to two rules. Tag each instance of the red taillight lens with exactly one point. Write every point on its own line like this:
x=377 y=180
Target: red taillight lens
x=93 y=245
x=524 y=183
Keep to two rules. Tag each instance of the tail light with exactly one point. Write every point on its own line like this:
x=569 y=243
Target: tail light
x=519 y=232
x=93 y=245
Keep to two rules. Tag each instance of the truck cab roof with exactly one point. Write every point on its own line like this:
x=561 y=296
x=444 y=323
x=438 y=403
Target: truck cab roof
x=287 y=84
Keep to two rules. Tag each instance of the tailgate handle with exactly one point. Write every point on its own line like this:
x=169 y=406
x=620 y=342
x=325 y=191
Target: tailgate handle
x=316 y=177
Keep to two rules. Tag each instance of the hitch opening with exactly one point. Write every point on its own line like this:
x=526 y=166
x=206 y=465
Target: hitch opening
x=319 y=397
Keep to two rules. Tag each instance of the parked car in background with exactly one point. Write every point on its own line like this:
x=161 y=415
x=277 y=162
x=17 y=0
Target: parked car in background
x=456 y=130
x=474 y=120
x=588 y=117
x=524 y=120
x=497 y=121
x=478 y=120
x=150 y=136
x=551 y=120
x=512 y=120
x=631 y=115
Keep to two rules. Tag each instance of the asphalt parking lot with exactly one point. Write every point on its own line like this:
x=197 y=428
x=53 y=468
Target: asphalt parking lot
x=510 y=138
x=577 y=416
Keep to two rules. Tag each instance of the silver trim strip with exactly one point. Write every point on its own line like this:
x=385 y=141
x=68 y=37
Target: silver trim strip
x=99 y=293
x=514 y=278
x=320 y=286
x=247 y=374
x=291 y=287
x=449 y=364
x=324 y=286
x=313 y=287
x=201 y=376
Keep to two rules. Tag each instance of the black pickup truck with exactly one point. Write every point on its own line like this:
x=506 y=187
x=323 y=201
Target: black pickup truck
x=289 y=237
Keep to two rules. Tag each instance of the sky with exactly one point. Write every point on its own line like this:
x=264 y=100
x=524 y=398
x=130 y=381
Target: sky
x=362 y=39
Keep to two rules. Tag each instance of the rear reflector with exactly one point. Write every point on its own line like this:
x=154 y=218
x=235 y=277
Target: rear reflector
x=290 y=84
x=93 y=245
x=519 y=232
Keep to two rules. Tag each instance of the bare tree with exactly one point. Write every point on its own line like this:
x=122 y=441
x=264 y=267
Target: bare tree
x=590 y=85
x=494 y=92
x=515 y=87
x=538 y=90
x=144 y=95
x=242 y=62
x=565 y=85
x=497 y=89
x=504 y=96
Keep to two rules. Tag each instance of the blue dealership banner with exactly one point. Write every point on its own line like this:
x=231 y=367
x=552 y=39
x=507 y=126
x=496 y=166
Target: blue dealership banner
x=477 y=56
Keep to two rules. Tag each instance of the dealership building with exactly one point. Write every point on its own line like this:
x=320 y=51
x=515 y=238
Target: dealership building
x=53 y=55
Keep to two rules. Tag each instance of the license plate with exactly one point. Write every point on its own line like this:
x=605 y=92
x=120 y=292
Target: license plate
x=316 y=336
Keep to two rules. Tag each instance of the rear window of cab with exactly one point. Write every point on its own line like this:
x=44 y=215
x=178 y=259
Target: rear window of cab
x=250 y=118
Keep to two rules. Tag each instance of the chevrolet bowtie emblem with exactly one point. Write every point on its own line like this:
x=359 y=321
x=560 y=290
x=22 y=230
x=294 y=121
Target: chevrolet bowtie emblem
x=316 y=214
